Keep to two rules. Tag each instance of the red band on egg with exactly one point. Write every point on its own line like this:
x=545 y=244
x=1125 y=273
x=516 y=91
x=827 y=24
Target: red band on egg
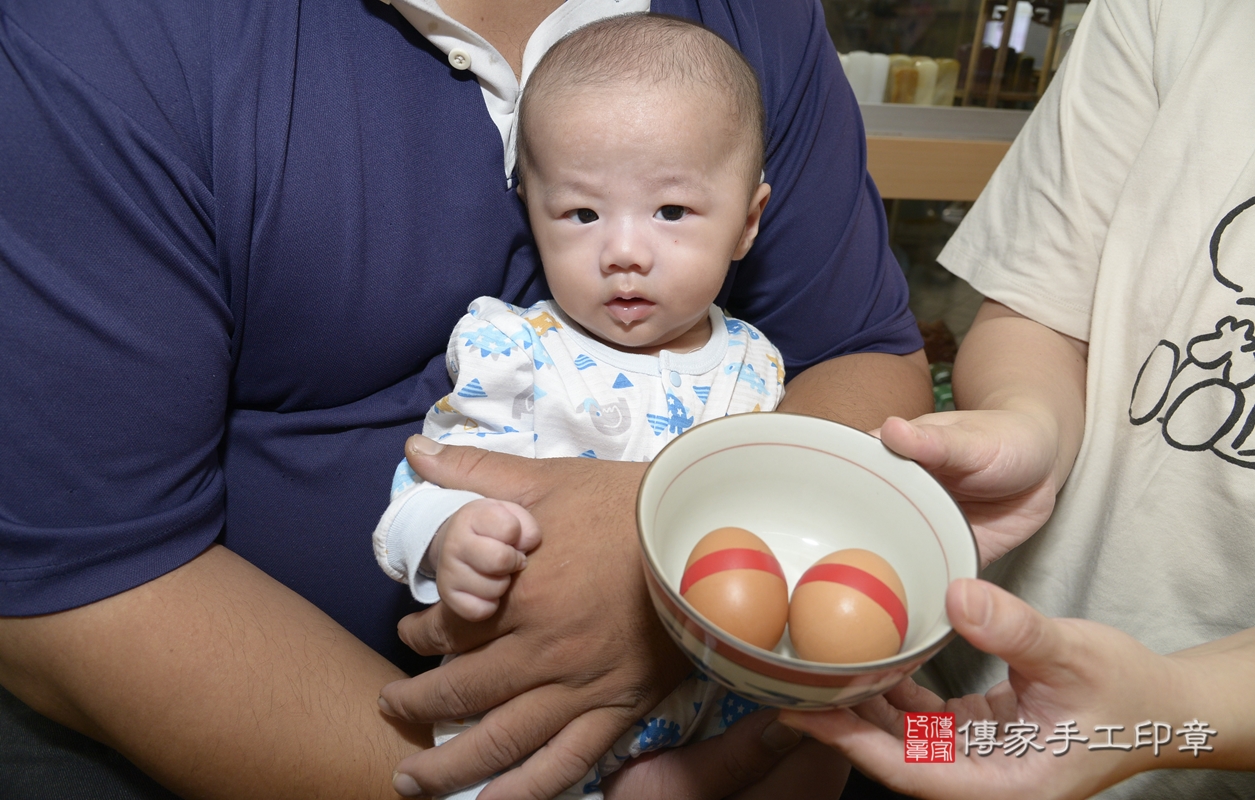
x=861 y=581
x=731 y=558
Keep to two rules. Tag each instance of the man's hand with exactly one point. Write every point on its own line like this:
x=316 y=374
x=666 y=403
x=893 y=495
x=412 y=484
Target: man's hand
x=747 y=753
x=477 y=550
x=574 y=655
x=1061 y=670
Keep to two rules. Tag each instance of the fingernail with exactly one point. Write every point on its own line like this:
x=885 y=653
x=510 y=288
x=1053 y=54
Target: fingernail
x=779 y=737
x=977 y=604
x=404 y=785
x=422 y=446
x=385 y=708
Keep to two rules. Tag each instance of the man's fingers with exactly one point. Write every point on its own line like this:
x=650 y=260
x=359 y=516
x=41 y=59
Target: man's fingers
x=490 y=474
x=1001 y=624
x=505 y=736
x=565 y=760
x=438 y=631
x=710 y=769
x=809 y=769
x=467 y=685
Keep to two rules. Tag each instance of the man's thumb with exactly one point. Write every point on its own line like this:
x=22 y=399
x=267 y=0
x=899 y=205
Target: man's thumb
x=469 y=468
x=418 y=446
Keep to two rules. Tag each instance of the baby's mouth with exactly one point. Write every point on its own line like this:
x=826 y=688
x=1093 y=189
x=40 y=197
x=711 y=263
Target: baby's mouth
x=630 y=309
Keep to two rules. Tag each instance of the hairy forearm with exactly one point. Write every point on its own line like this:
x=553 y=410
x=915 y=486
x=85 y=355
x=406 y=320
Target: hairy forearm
x=217 y=681
x=863 y=389
x=1011 y=363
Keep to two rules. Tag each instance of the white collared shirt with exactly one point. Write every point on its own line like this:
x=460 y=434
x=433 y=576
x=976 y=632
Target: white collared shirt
x=467 y=50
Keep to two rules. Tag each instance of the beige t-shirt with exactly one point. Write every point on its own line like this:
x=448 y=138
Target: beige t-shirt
x=1125 y=215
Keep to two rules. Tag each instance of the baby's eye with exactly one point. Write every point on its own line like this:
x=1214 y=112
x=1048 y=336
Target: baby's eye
x=671 y=213
x=583 y=215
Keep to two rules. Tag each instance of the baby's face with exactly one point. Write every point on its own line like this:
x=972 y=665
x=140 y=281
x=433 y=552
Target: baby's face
x=638 y=200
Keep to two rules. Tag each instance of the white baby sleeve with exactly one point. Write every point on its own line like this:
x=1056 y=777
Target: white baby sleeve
x=490 y=361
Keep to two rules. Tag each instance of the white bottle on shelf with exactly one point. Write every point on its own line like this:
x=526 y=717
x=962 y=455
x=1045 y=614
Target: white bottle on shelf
x=877 y=79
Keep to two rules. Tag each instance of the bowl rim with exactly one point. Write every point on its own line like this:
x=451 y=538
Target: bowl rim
x=771 y=657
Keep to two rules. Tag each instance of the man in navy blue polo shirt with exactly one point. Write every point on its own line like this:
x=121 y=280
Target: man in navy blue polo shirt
x=234 y=237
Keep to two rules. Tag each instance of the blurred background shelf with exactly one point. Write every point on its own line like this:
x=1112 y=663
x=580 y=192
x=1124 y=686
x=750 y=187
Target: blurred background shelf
x=936 y=153
x=930 y=161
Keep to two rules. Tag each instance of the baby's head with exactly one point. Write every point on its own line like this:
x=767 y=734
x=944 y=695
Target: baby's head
x=640 y=160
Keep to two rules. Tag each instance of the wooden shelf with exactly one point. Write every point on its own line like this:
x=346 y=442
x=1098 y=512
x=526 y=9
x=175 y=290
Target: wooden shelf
x=936 y=153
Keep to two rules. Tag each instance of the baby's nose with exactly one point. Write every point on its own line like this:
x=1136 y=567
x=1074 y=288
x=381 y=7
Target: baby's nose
x=628 y=248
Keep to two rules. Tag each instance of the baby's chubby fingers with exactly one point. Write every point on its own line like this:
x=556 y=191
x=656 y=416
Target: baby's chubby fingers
x=471 y=606
x=506 y=522
x=485 y=555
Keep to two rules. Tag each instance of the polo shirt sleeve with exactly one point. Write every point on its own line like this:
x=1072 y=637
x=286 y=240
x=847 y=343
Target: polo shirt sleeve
x=820 y=280
x=116 y=357
x=1034 y=238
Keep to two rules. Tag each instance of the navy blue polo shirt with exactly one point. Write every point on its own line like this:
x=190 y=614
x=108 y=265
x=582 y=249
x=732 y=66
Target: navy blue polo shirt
x=235 y=236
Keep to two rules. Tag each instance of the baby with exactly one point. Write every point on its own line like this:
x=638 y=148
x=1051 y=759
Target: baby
x=640 y=162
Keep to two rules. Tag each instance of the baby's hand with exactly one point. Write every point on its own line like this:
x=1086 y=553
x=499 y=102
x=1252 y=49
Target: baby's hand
x=477 y=550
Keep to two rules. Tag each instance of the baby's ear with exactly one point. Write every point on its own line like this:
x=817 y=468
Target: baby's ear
x=758 y=202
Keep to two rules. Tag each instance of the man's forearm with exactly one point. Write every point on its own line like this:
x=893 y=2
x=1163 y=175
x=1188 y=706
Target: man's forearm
x=863 y=389
x=217 y=681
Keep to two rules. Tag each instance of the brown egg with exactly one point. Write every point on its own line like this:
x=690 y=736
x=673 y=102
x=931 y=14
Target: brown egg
x=848 y=608
x=733 y=579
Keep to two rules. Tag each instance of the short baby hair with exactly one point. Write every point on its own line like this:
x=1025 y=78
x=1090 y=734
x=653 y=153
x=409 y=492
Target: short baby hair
x=650 y=49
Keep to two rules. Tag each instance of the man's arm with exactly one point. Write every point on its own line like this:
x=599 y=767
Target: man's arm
x=217 y=681
x=863 y=389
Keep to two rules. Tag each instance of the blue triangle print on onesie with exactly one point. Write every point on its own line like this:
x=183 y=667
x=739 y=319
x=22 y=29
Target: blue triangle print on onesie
x=473 y=389
x=657 y=422
x=588 y=454
x=621 y=382
x=584 y=362
x=702 y=392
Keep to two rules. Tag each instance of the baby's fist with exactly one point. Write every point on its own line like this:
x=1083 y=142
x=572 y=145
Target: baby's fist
x=477 y=550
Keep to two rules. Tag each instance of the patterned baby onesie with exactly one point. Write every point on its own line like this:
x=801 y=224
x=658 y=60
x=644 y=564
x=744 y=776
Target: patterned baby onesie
x=531 y=382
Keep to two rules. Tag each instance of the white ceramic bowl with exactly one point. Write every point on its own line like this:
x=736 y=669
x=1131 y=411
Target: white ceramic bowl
x=807 y=487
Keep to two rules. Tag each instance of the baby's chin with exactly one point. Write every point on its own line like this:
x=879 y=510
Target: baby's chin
x=640 y=339
x=633 y=338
